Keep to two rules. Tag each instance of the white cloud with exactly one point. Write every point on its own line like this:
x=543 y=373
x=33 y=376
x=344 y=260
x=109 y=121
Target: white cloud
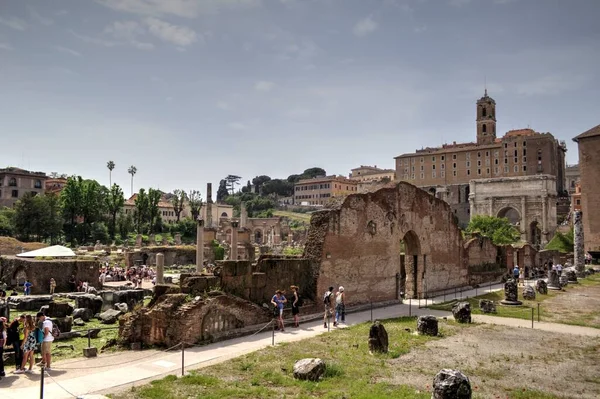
x=128 y=32
x=178 y=8
x=68 y=51
x=5 y=46
x=223 y=105
x=264 y=85
x=178 y=35
x=38 y=17
x=237 y=126
x=365 y=26
x=14 y=23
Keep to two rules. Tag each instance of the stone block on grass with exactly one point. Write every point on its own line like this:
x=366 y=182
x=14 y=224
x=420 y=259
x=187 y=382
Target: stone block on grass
x=309 y=369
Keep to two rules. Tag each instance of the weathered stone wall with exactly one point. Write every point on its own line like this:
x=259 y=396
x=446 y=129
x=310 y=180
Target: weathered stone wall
x=173 y=319
x=180 y=255
x=486 y=261
x=589 y=165
x=39 y=272
x=358 y=245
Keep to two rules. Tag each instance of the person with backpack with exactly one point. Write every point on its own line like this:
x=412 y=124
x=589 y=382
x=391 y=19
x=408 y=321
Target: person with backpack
x=296 y=303
x=2 y=344
x=328 y=305
x=340 y=306
x=50 y=331
x=278 y=301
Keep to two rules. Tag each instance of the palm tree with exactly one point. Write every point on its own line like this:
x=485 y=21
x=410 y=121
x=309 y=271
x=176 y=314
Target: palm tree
x=132 y=171
x=110 y=165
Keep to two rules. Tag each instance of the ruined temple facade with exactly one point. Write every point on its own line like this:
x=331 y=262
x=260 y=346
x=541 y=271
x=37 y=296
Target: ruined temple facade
x=382 y=244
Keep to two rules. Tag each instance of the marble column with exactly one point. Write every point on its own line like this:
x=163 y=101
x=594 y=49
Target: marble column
x=160 y=268
x=491 y=205
x=234 y=240
x=200 y=246
x=579 y=257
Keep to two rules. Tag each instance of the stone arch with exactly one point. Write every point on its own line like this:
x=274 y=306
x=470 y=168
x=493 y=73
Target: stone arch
x=410 y=276
x=510 y=213
x=258 y=236
x=19 y=276
x=224 y=215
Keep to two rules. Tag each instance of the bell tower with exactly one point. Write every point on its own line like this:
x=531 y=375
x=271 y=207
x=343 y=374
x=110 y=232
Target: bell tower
x=486 y=120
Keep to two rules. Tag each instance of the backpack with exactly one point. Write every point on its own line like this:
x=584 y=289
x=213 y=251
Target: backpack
x=39 y=335
x=327 y=298
x=55 y=330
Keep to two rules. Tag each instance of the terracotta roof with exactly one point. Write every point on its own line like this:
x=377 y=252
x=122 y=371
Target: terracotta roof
x=593 y=132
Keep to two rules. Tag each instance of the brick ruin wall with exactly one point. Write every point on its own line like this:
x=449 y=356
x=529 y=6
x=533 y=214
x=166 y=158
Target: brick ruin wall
x=358 y=245
x=39 y=272
x=179 y=255
x=486 y=261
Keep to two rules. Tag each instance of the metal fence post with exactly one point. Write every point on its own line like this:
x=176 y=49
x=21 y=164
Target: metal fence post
x=532 y=311
x=182 y=359
x=273 y=337
x=42 y=383
x=89 y=339
x=409 y=307
x=538 y=312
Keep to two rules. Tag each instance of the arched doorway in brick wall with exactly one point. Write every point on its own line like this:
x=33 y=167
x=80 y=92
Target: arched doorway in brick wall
x=411 y=269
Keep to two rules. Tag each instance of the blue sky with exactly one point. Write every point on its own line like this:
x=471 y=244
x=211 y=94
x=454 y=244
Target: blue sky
x=189 y=91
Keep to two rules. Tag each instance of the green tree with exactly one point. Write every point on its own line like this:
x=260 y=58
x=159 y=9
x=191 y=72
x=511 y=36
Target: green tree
x=110 y=165
x=178 y=201
x=279 y=187
x=31 y=216
x=71 y=198
x=125 y=224
x=132 y=171
x=195 y=203
x=154 y=218
x=222 y=192
x=93 y=205
x=499 y=230
x=142 y=207
x=258 y=181
x=313 y=172
x=7 y=222
x=54 y=223
x=232 y=181
x=114 y=204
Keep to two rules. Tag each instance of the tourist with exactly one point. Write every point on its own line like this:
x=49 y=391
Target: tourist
x=15 y=335
x=48 y=339
x=27 y=287
x=28 y=346
x=52 y=286
x=516 y=273
x=522 y=277
x=559 y=269
x=328 y=306
x=72 y=283
x=296 y=306
x=340 y=306
x=102 y=279
x=278 y=301
x=2 y=344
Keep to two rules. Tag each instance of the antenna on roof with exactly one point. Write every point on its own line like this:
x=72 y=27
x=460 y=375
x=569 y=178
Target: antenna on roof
x=485 y=84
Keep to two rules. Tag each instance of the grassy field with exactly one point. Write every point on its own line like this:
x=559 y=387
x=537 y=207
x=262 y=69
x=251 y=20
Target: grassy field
x=351 y=370
x=550 y=310
x=301 y=217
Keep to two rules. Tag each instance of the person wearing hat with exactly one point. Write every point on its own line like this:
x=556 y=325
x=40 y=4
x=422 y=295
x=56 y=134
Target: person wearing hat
x=340 y=306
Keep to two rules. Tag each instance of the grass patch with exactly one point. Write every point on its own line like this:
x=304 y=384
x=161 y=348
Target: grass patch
x=351 y=370
x=301 y=217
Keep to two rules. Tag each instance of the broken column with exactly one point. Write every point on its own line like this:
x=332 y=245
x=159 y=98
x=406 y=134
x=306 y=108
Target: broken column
x=511 y=294
x=234 y=240
x=579 y=257
x=243 y=216
x=200 y=246
x=209 y=202
x=160 y=268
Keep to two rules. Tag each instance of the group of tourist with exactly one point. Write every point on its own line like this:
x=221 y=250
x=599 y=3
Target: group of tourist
x=335 y=305
x=24 y=335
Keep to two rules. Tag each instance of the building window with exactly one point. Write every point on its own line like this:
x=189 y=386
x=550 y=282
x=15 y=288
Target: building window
x=443 y=157
x=524 y=143
x=37 y=184
x=578 y=202
x=479 y=171
x=516 y=168
x=505 y=160
x=15 y=193
x=506 y=169
x=443 y=166
x=422 y=159
x=496 y=171
x=516 y=153
x=487 y=162
x=495 y=162
x=524 y=159
x=524 y=151
x=12 y=182
x=453 y=156
x=454 y=173
x=479 y=154
x=478 y=163
x=422 y=175
x=454 y=165
x=468 y=155
x=468 y=164
x=524 y=168
x=487 y=171
x=433 y=167
x=432 y=159
x=412 y=168
x=515 y=143
x=412 y=176
x=412 y=160
x=422 y=168
x=468 y=172
x=483 y=128
x=505 y=145
x=433 y=174
x=443 y=174
x=487 y=153
x=496 y=154
x=516 y=160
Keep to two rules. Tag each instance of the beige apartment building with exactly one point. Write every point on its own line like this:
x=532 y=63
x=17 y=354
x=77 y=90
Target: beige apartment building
x=319 y=190
x=15 y=183
x=447 y=170
x=369 y=177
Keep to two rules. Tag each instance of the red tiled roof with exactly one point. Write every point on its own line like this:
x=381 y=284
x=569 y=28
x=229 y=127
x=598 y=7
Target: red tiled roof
x=595 y=131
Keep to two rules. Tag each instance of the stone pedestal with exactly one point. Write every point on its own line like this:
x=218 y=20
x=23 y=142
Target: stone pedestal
x=579 y=255
x=200 y=245
x=553 y=282
x=160 y=268
x=511 y=294
x=90 y=352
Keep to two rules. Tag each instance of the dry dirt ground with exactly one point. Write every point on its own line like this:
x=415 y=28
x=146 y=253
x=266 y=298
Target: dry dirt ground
x=499 y=360
x=579 y=305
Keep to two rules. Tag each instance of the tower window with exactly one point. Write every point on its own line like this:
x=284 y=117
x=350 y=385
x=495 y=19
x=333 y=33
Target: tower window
x=453 y=156
x=483 y=113
x=483 y=129
x=443 y=158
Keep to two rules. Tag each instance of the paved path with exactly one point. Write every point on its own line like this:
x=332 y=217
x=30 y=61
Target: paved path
x=112 y=372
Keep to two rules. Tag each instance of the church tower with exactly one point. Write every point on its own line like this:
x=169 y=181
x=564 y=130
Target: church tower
x=486 y=120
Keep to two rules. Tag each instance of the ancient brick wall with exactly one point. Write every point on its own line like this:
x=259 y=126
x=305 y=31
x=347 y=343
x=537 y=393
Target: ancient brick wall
x=39 y=272
x=358 y=245
x=179 y=255
x=589 y=165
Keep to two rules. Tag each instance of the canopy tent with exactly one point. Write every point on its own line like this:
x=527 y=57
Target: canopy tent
x=55 y=251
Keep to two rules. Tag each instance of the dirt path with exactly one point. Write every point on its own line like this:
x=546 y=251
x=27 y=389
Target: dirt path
x=499 y=359
x=578 y=305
